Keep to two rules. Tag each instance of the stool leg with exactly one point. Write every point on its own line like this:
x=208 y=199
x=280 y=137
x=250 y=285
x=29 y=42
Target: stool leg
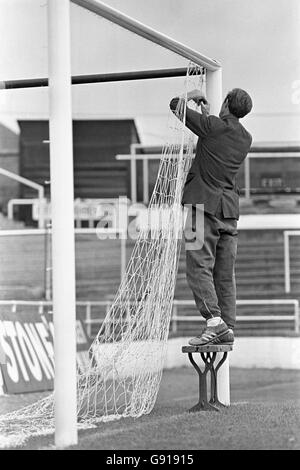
x=214 y=383
x=203 y=403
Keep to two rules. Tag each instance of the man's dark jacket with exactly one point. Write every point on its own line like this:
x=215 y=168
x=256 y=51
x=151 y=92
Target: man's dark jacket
x=222 y=146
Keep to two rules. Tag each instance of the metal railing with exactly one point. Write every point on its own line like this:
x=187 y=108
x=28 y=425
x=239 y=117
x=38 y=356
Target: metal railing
x=90 y=321
x=293 y=302
x=42 y=304
x=133 y=157
x=12 y=203
x=41 y=210
x=287 y=269
x=38 y=187
x=258 y=155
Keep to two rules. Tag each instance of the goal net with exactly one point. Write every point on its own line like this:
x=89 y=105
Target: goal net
x=127 y=355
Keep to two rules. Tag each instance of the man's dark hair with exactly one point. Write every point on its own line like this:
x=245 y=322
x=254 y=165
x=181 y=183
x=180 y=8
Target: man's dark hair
x=239 y=102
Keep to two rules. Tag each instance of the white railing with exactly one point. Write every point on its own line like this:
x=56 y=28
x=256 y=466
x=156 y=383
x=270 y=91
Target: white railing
x=90 y=210
x=38 y=187
x=287 y=269
x=293 y=302
x=42 y=304
x=133 y=157
x=89 y=320
x=19 y=202
x=252 y=155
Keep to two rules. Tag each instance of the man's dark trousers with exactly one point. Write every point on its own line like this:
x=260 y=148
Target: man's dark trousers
x=210 y=269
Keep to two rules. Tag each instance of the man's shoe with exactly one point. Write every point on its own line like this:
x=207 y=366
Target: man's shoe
x=219 y=334
x=227 y=338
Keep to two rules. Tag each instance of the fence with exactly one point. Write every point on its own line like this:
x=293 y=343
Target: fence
x=287 y=270
x=85 y=210
x=293 y=302
x=39 y=188
x=256 y=152
x=258 y=155
x=90 y=321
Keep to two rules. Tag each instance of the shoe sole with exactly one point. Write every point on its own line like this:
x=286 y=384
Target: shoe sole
x=211 y=341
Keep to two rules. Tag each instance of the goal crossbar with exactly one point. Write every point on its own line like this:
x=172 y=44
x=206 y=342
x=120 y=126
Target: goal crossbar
x=98 y=78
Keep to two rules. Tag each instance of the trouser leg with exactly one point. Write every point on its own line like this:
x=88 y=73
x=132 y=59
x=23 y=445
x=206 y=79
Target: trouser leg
x=224 y=274
x=199 y=269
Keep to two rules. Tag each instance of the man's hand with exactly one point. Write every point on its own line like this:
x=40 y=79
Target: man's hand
x=200 y=99
x=196 y=96
x=205 y=108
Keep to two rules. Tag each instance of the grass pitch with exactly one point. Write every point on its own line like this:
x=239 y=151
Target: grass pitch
x=264 y=414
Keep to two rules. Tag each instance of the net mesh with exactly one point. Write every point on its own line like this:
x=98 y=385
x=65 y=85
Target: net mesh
x=127 y=355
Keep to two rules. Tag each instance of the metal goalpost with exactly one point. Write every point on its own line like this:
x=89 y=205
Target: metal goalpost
x=62 y=202
x=62 y=187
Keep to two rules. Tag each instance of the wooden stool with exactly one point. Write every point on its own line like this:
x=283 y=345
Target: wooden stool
x=208 y=354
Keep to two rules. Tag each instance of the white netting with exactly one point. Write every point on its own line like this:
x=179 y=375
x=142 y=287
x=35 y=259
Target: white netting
x=128 y=352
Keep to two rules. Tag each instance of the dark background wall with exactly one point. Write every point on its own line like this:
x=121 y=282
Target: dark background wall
x=97 y=174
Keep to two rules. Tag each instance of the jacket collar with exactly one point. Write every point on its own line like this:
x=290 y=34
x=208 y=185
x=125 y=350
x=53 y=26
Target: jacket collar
x=231 y=117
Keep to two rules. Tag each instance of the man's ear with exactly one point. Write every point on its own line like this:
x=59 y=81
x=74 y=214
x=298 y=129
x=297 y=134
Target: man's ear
x=226 y=103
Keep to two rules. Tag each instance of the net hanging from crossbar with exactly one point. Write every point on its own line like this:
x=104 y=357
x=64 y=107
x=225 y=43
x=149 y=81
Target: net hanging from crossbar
x=128 y=353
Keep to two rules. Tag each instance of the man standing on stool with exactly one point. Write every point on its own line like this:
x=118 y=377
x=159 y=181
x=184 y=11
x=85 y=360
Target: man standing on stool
x=223 y=144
